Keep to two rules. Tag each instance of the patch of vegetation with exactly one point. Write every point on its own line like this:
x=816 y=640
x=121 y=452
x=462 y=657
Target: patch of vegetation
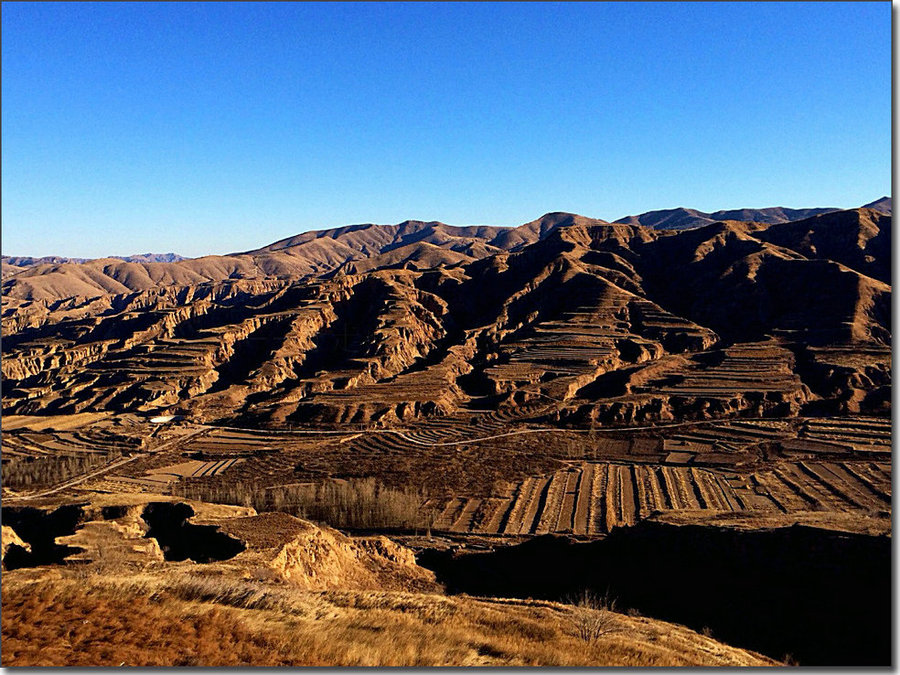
x=33 y=472
x=362 y=503
x=594 y=615
x=127 y=620
x=78 y=625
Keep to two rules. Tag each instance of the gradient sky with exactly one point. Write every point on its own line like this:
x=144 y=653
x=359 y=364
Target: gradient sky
x=211 y=128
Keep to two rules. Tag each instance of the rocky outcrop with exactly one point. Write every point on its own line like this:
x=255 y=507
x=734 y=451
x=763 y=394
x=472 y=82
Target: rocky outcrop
x=323 y=559
x=316 y=557
x=143 y=531
x=10 y=538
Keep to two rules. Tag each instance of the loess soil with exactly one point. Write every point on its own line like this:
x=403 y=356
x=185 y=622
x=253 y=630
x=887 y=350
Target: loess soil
x=689 y=410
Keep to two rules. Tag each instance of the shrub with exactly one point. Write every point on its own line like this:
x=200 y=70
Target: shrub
x=589 y=599
x=593 y=615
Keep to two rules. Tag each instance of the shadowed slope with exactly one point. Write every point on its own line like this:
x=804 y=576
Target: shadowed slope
x=422 y=328
x=682 y=218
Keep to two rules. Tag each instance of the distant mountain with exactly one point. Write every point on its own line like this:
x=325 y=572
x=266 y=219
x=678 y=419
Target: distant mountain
x=29 y=261
x=11 y=266
x=884 y=205
x=369 y=239
x=151 y=257
x=353 y=249
x=350 y=250
x=366 y=240
x=514 y=239
x=683 y=219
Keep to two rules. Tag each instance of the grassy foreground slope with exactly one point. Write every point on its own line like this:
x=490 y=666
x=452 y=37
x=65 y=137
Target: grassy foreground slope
x=152 y=621
x=136 y=584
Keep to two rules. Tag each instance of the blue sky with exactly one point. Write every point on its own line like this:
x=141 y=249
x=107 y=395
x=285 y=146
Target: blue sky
x=211 y=128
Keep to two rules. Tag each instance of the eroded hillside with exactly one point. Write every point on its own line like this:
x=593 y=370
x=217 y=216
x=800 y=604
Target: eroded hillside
x=589 y=323
x=490 y=399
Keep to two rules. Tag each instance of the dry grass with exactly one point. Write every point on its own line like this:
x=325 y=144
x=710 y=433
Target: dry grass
x=71 y=625
x=231 y=593
x=108 y=620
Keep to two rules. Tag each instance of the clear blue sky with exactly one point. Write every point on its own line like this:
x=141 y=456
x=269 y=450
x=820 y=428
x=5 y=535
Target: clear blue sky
x=210 y=128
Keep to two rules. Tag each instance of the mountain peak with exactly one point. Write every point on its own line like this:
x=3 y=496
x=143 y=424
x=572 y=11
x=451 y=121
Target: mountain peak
x=884 y=205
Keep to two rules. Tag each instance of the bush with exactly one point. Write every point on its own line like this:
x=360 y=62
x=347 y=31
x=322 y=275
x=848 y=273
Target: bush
x=594 y=615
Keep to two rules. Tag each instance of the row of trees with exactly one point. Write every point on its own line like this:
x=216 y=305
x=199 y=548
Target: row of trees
x=362 y=503
x=34 y=472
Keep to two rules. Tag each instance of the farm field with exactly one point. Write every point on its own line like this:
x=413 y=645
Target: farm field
x=594 y=497
x=480 y=473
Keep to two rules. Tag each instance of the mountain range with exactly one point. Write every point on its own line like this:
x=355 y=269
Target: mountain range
x=613 y=322
x=352 y=249
x=682 y=219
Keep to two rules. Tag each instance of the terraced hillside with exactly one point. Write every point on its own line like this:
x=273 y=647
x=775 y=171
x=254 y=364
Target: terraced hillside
x=567 y=376
x=589 y=322
x=595 y=497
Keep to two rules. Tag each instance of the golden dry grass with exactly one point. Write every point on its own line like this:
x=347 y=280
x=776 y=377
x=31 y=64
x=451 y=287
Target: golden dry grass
x=191 y=619
x=67 y=625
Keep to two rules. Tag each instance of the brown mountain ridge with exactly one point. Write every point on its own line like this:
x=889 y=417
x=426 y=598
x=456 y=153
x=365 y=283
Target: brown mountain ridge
x=420 y=319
